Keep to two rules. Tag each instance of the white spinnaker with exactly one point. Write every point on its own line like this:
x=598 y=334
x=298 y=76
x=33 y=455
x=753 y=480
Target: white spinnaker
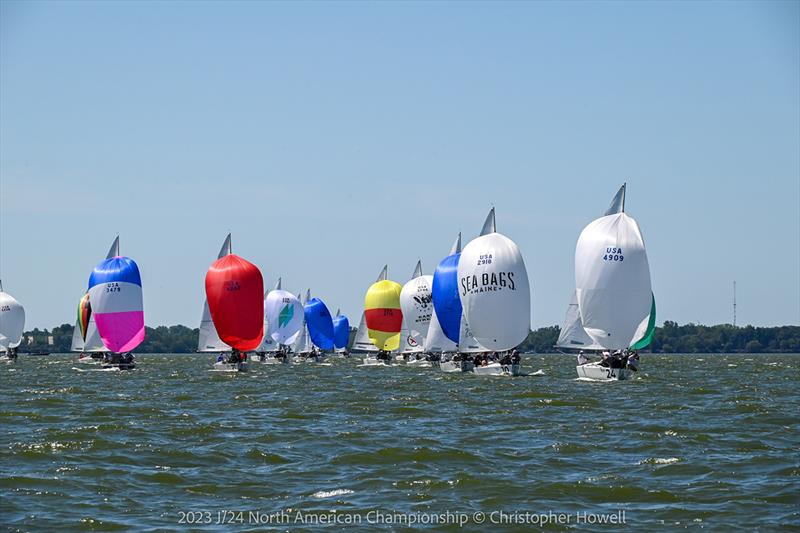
x=417 y=306
x=572 y=333
x=361 y=342
x=209 y=340
x=284 y=315
x=12 y=321
x=494 y=290
x=436 y=341
x=612 y=281
x=467 y=343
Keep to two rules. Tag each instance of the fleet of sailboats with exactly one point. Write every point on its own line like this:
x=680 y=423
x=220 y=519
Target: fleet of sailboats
x=469 y=316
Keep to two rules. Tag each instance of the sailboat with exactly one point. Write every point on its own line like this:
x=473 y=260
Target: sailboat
x=235 y=296
x=115 y=293
x=12 y=324
x=267 y=344
x=361 y=342
x=85 y=337
x=341 y=333
x=208 y=340
x=284 y=319
x=417 y=306
x=320 y=326
x=613 y=294
x=383 y=317
x=496 y=297
x=449 y=313
x=302 y=345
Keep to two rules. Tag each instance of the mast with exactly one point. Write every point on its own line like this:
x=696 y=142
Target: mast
x=734 y=303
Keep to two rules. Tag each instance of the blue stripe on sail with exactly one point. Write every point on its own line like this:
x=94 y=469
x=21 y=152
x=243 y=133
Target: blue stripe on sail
x=319 y=323
x=115 y=269
x=446 y=301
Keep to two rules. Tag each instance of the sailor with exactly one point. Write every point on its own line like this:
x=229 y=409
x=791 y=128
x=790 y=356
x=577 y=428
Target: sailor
x=582 y=359
x=606 y=362
x=633 y=361
x=220 y=358
x=515 y=357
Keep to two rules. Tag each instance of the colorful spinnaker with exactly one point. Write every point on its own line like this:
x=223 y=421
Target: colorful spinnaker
x=444 y=292
x=235 y=294
x=284 y=316
x=341 y=331
x=382 y=313
x=12 y=321
x=115 y=293
x=417 y=306
x=494 y=289
x=612 y=280
x=319 y=323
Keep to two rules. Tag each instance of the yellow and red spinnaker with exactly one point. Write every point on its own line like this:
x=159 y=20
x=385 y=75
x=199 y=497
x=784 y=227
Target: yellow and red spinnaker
x=383 y=315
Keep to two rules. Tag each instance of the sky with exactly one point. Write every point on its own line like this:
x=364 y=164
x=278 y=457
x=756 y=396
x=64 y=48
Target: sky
x=333 y=138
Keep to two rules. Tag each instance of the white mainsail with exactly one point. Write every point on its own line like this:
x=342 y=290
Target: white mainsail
x=494 y=289
x=303 y=343
x=208 y=340
x=361 y=342
x=93 y=342
x=572 y=335
x=467 y=343
x=612 y=279
x=12 y=321
x=436 y=341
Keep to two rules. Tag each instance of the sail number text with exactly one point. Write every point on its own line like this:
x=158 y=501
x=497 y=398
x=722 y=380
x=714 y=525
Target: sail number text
x=113 y=287
x=613 y=254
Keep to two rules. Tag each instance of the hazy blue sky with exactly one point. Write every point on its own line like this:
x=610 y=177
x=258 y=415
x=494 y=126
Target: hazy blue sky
x=332 y=138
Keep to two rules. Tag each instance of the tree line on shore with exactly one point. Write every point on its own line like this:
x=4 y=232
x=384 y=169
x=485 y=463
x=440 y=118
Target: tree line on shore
x=669 y=338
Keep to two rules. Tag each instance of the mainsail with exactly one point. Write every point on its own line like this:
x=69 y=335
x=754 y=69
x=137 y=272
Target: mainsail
x=436 y=341
x=115 y=291
x=612 y=280
x=572 y=335
x=361 y=342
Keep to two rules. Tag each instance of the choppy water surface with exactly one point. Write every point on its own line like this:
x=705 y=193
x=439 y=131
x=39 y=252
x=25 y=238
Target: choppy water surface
x=694 y=442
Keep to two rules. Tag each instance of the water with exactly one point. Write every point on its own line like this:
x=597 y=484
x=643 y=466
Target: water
x=694 y=442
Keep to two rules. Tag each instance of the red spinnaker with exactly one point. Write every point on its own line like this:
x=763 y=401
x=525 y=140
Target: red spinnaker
x=235 y=293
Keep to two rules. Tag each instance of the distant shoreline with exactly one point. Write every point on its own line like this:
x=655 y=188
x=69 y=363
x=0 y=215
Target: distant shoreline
x=669 y=338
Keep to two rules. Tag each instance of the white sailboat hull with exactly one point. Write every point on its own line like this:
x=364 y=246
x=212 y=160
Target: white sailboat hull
x=372 y=361
x=496 y=369
x=222 y=366
x=450 y=367
x=596 y=372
